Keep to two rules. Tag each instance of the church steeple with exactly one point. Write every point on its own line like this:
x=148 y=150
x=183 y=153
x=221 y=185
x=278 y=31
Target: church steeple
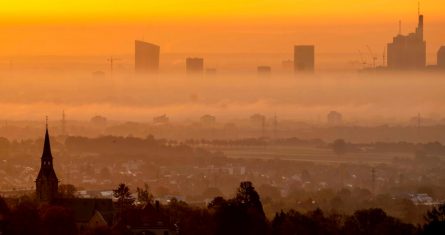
x=46 y=182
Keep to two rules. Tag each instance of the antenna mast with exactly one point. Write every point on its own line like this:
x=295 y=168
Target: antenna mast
x=384 y=57
x=112 y=60
x=418 y=8
x=63 y=122
x=400 y=27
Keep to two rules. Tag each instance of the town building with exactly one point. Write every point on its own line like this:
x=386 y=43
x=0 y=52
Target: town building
x=47 y=183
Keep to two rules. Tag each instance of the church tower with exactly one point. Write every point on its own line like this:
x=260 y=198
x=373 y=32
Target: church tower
x=47 y=183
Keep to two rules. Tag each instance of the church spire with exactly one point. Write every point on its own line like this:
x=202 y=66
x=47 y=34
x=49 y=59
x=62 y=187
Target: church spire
x=46 y=182
x=47 y=146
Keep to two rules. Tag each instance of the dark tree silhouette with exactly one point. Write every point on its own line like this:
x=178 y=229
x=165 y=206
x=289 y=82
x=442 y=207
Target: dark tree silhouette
x=435 y=221
x=241 y=215
x=98 y=231
x=25 y=219
x=144 y=195
x=58 y=220
x=375 y=222
x=123 y=195
x=67 y=191
x=248 y=196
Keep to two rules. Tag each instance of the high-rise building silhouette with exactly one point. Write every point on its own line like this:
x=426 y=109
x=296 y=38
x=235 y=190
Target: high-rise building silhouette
x=441 y=57
x=47 y=183
x=304 y=58
x=407 y=52
x=146 y=57
x=194 y=65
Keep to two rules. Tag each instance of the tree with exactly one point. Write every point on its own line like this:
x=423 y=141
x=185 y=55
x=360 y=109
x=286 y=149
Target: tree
x=144 y=195
x=248 y=205
x=103 y=230
x=248 y=196
x=25 y=218
x=67 y=190
x=58 y=220
x=313 y=222
x=435 y=221
x=375 y=221
x=123 y=195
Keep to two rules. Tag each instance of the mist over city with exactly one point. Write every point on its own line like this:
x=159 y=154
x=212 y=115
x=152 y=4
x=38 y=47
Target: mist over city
x=223 y=117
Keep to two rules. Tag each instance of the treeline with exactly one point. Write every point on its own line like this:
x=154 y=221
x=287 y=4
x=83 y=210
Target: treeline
x=113 y=147
x=376 y=147
x=431 y=148
x=256 y=142
x=240 y=215
x=159 y=150
x=160 y=147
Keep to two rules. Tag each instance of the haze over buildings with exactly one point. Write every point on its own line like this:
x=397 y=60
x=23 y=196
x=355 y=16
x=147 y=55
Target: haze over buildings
x=158 y=147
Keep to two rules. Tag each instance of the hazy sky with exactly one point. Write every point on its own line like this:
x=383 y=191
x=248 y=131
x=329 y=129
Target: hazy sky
x=105 y=27
x=100 y=29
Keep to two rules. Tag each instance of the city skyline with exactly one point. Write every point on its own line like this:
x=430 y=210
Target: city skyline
x=74 y=37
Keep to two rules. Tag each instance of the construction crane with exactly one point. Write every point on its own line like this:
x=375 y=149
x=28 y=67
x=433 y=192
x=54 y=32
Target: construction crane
x=384 y=57
x=373 y=57
x=362 y=59
x=112 y=60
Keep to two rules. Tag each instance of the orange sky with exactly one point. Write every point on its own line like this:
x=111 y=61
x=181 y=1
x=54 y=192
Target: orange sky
x=106 y=27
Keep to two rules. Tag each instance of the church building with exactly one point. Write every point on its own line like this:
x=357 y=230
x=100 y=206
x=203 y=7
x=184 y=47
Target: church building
x=47 y=183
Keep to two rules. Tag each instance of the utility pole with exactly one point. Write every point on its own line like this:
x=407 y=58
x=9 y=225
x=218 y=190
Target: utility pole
x=275 y=125
x=373 y=57
x=384 y=57
x=263 y=127
x=63 y=123
x=400 y=27
x=362 y=59
x=418 y=128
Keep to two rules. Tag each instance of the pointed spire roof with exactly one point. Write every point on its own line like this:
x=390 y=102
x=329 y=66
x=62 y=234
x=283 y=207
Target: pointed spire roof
x=47 y=146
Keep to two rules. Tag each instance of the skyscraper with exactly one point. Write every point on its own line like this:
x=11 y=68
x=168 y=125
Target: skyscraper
x=47 y=183
x=408 y=52
x=146 y=57
x=441 y=57
x=304 y=58
x=194 y=65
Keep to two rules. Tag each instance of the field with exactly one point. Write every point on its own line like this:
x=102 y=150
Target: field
x=307 y=154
